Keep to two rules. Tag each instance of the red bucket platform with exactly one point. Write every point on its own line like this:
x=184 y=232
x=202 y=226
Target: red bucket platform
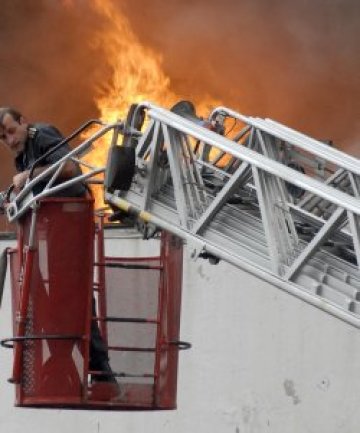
x=54 y=282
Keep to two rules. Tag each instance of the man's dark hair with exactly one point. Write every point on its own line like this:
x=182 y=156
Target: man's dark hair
x=15 y=114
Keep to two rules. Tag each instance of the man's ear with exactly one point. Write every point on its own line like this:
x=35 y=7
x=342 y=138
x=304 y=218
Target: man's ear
x=22 y=120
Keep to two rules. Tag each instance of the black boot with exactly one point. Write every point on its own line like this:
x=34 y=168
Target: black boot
x=103 y=366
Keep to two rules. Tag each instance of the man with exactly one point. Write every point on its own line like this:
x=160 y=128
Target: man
x=28 y=142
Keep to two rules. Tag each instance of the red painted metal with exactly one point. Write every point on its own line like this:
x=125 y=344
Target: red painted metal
x=21 y=315
x=168 y=336
x=101 y=283
x=53 y=299
x=138 y=311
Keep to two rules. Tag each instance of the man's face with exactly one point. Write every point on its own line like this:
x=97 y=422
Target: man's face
x=14 y=133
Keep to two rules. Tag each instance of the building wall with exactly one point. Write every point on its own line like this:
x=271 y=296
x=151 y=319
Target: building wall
x=261 y=361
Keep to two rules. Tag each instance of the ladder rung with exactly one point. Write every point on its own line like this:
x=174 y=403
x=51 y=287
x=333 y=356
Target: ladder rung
x=113 y=374
x=127 y=266
x=126 y=320
x=130 y=349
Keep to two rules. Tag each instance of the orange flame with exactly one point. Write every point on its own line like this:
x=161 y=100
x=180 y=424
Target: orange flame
x=137 y=74
x=137 y=70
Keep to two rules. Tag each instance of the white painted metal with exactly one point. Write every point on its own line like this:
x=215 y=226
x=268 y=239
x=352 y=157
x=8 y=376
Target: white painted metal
x=218 y=227
x=25 y=199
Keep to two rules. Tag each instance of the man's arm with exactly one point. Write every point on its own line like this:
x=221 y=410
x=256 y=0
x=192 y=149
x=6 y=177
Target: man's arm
x=69 y=170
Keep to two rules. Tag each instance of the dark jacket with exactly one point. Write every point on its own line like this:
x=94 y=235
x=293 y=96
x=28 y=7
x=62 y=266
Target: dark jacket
x=41 y=138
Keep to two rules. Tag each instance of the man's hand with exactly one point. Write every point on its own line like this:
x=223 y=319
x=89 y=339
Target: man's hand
x=19 y=180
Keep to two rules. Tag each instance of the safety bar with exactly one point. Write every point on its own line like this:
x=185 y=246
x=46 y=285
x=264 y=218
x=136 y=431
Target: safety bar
x=6 y=342
x=66 y=140
x=15 y=210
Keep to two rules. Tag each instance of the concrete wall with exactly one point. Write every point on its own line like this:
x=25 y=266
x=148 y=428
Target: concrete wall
x=262 y=361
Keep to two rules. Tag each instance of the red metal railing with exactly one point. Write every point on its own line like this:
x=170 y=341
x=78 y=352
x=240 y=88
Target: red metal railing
x=137 y=314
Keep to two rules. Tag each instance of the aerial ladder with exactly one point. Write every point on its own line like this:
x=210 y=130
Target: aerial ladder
x=263 y=197
x=270 y=200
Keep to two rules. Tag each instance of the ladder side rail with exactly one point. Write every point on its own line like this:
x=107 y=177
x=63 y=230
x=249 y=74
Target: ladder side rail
x=323 y=150
x=330 y=210
x=306 y=160
x=319 y=151
x=255 y=159
x=335 y=156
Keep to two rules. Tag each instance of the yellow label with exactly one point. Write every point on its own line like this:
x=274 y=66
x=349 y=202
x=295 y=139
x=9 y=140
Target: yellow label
x=145 y=216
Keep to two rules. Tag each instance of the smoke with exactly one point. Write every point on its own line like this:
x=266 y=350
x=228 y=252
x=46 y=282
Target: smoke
x=48 y=67
x=293 y=61
x=296 y=62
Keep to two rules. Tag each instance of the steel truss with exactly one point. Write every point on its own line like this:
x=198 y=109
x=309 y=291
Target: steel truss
x=268 y=199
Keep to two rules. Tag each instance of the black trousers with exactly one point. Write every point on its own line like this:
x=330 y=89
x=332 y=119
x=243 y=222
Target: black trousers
x=98 y=351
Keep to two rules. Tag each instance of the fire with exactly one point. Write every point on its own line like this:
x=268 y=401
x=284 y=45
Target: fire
x=137 y=70
x=137 y=74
